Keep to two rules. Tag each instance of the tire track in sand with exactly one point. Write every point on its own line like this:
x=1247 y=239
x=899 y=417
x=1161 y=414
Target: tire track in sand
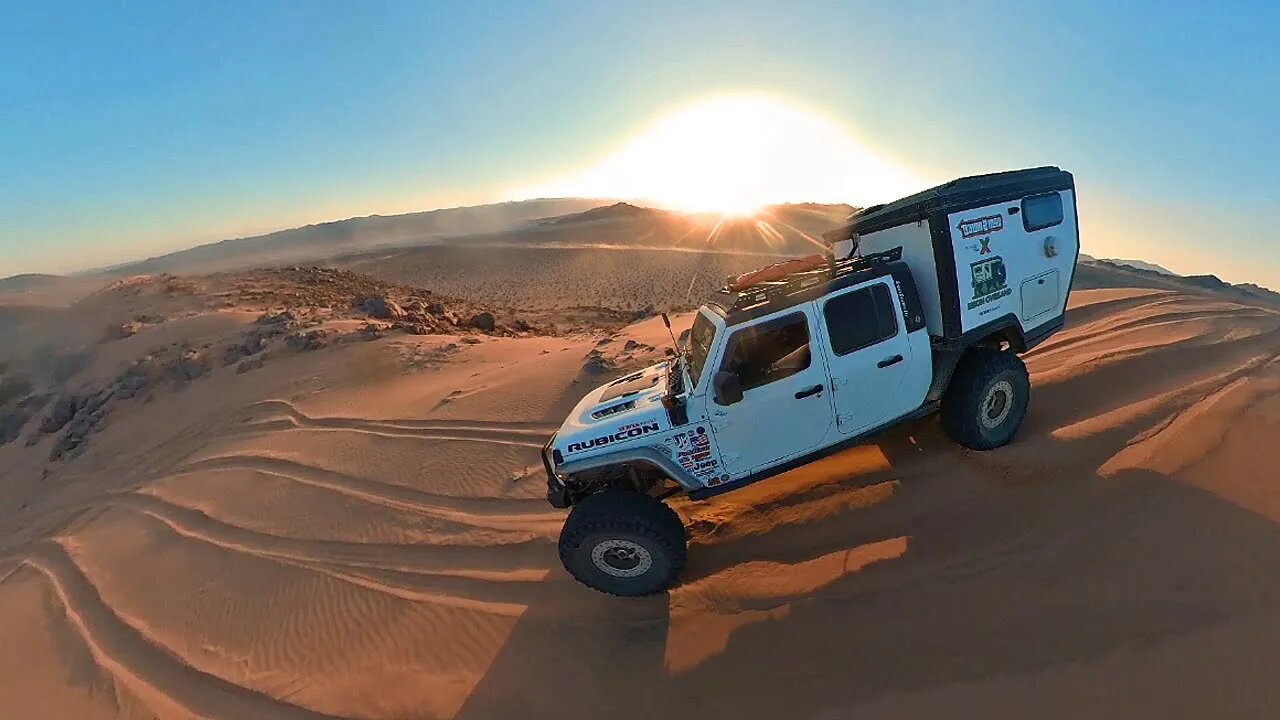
x=495 y=513
x=128 y=655
x=516 y=559
x=460 y=593
x=287 y=416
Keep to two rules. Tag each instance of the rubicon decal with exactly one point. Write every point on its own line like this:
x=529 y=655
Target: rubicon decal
x=981 y=226
x=633 y=431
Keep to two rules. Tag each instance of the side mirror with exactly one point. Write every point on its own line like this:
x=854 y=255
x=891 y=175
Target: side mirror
x=727 y=387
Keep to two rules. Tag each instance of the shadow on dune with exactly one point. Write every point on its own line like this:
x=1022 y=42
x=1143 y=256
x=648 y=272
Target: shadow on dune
x=1015 y=562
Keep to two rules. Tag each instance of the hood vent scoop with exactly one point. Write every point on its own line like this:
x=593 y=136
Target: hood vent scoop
x=613 y=410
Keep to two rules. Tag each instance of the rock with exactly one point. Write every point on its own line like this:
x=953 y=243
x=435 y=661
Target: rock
x=123 y=330
x=309 y=340
x=596 y=365
x=371 y=331
x=453 y=317
x=484 y=321
x=419 y=329
x=643 y=313
x=630 y=345
x=282 y=318
x=253 y=363
x=86 y=418
x=471 y=340
x=381 y=307
x=522 y=326
x=63 y=410
x=417 y=307
x=190 y=366
x=436 y=308
x=132 y=381
x=252 y=344
x=604 y=342
x=670 y=352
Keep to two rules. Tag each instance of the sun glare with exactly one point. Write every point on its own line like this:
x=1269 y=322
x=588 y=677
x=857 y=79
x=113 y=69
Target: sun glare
x=734 y=154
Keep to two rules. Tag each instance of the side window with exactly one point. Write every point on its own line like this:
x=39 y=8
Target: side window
x=1041 y=211
x=860 y=319
x=769 y=352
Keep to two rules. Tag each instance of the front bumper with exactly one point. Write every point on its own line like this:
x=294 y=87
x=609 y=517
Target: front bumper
x=557 y=493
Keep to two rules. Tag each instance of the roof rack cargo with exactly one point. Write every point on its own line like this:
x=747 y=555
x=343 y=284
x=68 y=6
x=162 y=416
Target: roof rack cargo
x=783 y=292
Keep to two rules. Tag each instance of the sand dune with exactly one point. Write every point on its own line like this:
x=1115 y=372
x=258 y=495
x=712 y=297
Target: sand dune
x=339 y=534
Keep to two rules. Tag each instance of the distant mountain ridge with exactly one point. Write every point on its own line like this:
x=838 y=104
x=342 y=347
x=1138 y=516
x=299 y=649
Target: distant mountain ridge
x=27 y=281
x=1139 y=265
x=321 y=240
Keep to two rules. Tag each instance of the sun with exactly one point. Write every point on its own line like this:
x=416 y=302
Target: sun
x=734 y=154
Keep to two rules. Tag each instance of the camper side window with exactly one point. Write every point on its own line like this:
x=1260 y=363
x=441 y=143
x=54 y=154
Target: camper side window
x=860 y=319
x=1041 y=211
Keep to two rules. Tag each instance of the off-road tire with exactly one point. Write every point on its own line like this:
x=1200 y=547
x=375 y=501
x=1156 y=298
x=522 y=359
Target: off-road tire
x=626 y=523
x=973 y=411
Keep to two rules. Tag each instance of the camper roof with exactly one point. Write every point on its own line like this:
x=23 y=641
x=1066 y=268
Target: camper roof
x=966 y=192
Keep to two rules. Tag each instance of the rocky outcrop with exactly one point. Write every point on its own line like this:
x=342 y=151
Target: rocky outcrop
x=307 y=339
x=381 y=307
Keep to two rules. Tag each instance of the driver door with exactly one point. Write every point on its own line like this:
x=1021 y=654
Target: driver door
x=786 y=408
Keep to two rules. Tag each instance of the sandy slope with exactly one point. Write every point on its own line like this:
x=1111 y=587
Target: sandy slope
x=335 y=536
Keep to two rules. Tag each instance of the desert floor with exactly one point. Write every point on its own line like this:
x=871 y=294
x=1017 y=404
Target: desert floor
x=360 y=532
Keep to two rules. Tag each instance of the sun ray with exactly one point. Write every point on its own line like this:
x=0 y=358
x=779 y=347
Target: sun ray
x=815 y=241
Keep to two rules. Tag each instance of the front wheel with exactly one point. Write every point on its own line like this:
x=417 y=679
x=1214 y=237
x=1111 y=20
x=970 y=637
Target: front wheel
x=623 y=542
x=987 y=399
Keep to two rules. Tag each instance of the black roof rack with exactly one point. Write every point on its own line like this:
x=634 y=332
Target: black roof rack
x=766 y=297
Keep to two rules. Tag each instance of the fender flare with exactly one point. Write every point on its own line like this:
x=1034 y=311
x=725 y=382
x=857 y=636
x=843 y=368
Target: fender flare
x=649 y=455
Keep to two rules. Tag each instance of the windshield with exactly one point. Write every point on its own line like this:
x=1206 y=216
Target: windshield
x=698 y=345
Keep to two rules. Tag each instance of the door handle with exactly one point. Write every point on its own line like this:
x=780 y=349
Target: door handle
x=809 y=392
x=889 y=361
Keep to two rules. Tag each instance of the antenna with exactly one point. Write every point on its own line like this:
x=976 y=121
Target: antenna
x=675 y=344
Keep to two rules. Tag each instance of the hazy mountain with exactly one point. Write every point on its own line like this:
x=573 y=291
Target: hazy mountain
x=788 y=229
x=1139 y=265
x=314 y=242
x=27 y=282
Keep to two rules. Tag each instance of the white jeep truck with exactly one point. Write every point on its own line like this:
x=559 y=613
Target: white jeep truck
x=924 y=304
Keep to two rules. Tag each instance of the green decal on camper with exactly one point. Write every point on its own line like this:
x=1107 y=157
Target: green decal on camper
x=990 y=281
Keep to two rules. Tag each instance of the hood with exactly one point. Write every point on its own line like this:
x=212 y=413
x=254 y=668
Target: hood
x=619 y=412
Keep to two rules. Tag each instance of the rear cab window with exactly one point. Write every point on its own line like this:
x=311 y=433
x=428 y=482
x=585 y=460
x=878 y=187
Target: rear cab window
x=860 y=319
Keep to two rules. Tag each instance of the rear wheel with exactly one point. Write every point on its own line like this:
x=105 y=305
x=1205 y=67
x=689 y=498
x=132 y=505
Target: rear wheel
x=987 y=399
x=623 y=542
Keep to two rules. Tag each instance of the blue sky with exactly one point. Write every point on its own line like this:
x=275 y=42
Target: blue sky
x=132 y=128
